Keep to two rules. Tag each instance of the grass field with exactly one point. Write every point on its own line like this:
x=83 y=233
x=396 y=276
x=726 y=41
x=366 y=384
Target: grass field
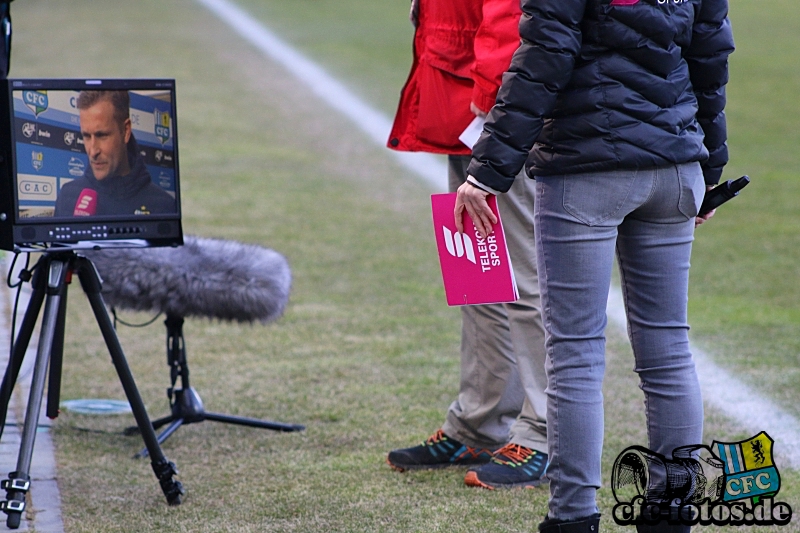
x=367 y=353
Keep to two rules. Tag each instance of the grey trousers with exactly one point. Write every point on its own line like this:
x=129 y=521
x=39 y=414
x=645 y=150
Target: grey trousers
x=646 y=218
x=502 y=393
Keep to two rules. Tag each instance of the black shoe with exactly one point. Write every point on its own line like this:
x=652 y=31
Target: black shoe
x=438 y=451
x=590 y=524
x=512 y=466
x=643 y=525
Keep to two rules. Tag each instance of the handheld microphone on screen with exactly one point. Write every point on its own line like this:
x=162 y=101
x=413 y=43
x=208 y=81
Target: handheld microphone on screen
x=722 y=193
x=86 y=205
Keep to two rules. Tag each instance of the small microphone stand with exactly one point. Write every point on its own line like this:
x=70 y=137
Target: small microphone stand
x=186 y=405
x=53 y=273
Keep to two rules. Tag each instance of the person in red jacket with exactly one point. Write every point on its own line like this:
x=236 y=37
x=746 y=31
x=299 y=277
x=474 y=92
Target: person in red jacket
x=497 y=423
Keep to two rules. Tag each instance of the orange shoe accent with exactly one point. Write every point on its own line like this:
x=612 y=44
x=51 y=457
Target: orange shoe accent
x=436 y=437
x=516 y=453
x=471 y=480
x=395 y=467
x=474 y=453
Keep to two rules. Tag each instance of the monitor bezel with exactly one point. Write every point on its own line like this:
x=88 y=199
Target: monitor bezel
x=9 y=204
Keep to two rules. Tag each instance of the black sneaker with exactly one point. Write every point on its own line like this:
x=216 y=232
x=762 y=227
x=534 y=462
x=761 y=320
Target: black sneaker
x=438 y=451
x=512 y=466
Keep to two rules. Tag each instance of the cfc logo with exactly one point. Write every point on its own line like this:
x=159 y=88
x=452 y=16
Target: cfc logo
x=37 y=160
x=36 y=101
x=162 y=125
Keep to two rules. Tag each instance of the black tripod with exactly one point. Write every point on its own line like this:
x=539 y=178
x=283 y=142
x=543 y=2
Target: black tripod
x=52 y=275
x=186 y=405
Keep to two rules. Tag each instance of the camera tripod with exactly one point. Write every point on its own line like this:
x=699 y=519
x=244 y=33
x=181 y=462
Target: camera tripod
x=53 y=273
x=186 y=405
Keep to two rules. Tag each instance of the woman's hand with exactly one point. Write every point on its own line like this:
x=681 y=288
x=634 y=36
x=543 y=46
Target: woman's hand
x=702 y=219
x=473 y=200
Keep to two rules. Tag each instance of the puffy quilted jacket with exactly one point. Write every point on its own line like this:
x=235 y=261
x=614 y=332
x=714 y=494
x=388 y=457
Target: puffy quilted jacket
x=610 y=84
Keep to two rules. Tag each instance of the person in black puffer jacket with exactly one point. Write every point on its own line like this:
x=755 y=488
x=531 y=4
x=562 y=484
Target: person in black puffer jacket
x=618 y=108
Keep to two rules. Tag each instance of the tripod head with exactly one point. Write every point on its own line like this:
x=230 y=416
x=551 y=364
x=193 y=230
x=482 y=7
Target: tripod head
x=5 y=37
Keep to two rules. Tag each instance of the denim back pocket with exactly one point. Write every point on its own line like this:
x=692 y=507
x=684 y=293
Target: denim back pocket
x=692 y=189
x=596 y=197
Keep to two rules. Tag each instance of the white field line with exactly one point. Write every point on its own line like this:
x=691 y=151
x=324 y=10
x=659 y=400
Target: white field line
x=729 y=395
x=330 y=90
x=721 y=389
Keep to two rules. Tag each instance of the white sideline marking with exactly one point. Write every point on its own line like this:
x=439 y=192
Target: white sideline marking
x=735 y=399
x=372 y=122
x=721 y=389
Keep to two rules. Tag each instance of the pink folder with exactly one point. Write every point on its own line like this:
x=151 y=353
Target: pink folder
x=475 y=270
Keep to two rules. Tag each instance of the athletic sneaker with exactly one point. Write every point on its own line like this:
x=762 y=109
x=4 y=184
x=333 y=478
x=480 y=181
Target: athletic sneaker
x=438 y=451
x=512 y=466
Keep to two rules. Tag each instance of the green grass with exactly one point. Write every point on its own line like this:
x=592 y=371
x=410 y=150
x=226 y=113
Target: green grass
x=367 y=353
x=746 y=266
x=366 y=44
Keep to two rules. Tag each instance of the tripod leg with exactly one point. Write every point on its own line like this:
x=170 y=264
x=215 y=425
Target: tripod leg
x=57 y=356
x=162 y=467
x=176 y=358
x=157 y=423
x=19 y=481
x=39 y=284
x=164 y=435
x=254 y=422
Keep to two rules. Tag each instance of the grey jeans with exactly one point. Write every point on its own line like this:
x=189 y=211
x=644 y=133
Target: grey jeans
x=502 y=398
x=646 y=217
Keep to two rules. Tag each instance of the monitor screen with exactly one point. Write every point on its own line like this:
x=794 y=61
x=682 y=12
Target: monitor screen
x=88 y=152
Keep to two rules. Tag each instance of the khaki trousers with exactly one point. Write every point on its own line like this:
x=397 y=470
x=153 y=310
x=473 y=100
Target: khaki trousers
x=501 y=398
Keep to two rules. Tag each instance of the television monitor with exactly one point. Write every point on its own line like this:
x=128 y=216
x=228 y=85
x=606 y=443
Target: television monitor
x=89 y=163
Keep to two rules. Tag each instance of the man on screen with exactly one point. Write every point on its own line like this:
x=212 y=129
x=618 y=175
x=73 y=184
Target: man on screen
x=117 y=181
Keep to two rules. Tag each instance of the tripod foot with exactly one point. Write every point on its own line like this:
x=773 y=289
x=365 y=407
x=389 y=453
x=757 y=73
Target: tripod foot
x=173 y=489
x=16 y=486
x=14 y=510
x=13 y=520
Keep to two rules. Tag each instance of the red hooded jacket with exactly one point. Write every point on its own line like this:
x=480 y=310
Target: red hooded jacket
x=461 y=50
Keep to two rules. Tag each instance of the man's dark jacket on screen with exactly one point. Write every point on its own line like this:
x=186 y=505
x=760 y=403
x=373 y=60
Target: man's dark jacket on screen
x=134 y=194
